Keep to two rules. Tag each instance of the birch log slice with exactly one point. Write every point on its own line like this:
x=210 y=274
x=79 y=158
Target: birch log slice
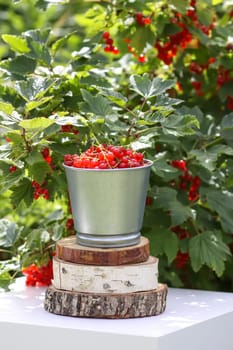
x=106 y=279
x=69 y=250
x=116 y=306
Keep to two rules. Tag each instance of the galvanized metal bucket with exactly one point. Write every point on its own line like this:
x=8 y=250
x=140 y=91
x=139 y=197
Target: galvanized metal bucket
x=108 y=205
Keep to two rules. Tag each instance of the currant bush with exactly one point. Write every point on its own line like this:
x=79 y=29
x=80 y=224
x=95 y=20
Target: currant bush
x=109 y=86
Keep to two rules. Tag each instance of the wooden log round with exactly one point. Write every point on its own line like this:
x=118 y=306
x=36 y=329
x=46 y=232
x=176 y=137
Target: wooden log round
x=69 y=250
x=106 y=279
x=115 y=306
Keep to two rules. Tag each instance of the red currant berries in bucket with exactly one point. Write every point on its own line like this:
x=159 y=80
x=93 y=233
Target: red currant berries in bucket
x=105 y=157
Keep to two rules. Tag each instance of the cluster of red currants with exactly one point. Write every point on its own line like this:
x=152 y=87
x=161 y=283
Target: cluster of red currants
x=225 y=76
x=46 y=155
x=197 y=85
x=192 y=14
x=69 y=128
x=168 y=50
x=39 y=276
x=109 y=42
x=105 y=157
x=12 y=168
x=70 y=225
x=40 y=190
x=142 y=20
x=198 y=69
x=182 y=258
x=187 y=182
x=109 y=47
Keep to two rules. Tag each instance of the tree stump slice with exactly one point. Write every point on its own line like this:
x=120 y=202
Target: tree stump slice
x=69 y=250
x=114 y=306
x=106 y=279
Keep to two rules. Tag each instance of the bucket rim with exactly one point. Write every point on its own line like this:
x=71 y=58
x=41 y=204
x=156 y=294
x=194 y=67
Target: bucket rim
x=148 y=164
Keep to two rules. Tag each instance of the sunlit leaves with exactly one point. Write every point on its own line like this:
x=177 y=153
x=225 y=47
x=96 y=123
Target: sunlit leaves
x=36 y=124
x=179 y=125
x=6 y=108
x=16 y=43
x=19 y=65
x=209 y=157
x=149 y=88
x=9 y=232
x=34 y=88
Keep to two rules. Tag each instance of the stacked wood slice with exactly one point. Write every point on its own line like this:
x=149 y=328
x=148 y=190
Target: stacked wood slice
x=105 y=282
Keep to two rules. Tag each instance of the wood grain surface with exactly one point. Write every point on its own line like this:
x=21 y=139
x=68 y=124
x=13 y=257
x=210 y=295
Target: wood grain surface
x=115 y=306
x=67 y=249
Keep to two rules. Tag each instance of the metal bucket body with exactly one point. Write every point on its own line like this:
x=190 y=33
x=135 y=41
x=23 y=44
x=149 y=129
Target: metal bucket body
x=108 y=205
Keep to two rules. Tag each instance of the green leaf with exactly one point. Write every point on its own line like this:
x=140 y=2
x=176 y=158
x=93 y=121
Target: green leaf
x=162 y=169
x=180 y=5
x=57 y=232
x=62 y=41
x=165 y=242
x=166 y=198
x=36 y=124
x=227 y=127
x=180 y=125
x=16 y=43
x=22 y=192
x=10 y=179
x=208 y=249
x=20 y=65
x=166 y=101
x=38 y=171
x=8 y=232
x=216 y=2
x=76 y=120
x=170 y=245
x=147 y=88
x=10 y=119
x=45 y=236
x=209 y=157
x=5 y=151
x=36 y=41
x=226 y=90
x=39 y=52
x=34 y=88
x=114 y=97
x=15 y=137
x=141 y=37
x=98 y=105
x=5 y=279
x=34 y=157
x=6 y=108
x=141 y=144
x=55 y=215
x=35 y=104
x=39 y=35
x=222 y=203
x=198 y=33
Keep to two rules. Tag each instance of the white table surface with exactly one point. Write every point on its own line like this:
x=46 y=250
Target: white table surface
x=193 y=320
